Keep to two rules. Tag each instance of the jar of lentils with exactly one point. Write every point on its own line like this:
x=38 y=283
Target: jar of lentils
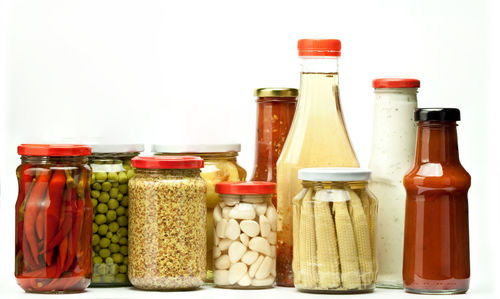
x=111 y=171
x=167 y=218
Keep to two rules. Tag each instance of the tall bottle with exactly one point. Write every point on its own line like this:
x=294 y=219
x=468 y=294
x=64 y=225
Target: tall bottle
x=317 y=138
x=436 y=240
x=393 y=151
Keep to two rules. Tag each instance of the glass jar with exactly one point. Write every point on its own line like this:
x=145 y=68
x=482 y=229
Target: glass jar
x=275 y=110
x=335 y=220
x=392 y=154
x=111 y=171
x=436 y=241
x=317 y=138
x=245 y=235
x=220 y=166
x=53 y=218
x=167 y=216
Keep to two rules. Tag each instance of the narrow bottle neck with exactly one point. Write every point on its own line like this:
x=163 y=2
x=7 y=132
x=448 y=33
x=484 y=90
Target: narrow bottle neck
x=437 y=143
x=328 y=64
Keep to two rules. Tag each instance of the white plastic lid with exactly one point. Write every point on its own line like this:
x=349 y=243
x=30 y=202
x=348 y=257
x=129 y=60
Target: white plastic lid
x=195 y=148
x=117 y=148
x=334 y=174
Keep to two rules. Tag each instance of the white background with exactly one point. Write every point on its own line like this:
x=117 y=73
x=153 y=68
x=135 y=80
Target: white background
x=184 y=72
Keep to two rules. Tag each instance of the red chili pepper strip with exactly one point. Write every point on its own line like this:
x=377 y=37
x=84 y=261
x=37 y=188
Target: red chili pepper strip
x=40 y=220
x=45 y=272
x=77 y=206
x=32 y=208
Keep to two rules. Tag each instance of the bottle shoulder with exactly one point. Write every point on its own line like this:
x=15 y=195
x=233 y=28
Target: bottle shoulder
x=437 y=175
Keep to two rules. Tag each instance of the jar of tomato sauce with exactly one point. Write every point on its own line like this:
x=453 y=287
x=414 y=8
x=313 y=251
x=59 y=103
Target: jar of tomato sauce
x=436 y=242
x=275 y=110
x=53 y=218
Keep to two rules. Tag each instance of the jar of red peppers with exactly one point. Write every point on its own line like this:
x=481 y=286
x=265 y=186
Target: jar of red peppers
x=275 y=110
x=53 y=218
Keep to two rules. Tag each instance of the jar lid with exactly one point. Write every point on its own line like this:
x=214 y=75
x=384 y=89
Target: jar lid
x=437 y=114
x=395 y=83
x=334 y=174
x=245 y=188
x=319 y=47
x=195 y=148
x=167 y=162
x=278 y=92
x=117 y=148
x=53 y=150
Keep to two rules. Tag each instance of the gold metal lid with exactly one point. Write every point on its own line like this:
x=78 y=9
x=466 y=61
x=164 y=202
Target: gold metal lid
x=279 y=92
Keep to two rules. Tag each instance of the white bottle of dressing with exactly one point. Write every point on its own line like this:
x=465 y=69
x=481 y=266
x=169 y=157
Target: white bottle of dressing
x=393 y=151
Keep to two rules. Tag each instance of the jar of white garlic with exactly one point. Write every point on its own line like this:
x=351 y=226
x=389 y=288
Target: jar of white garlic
x=245 y=235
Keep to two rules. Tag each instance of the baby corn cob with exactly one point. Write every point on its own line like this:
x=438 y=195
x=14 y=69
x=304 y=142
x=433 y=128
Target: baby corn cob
x=296 y=204
x=307 y=251
x=348 y=253
x=370 y=208
x=362 y=235
x=326 y=240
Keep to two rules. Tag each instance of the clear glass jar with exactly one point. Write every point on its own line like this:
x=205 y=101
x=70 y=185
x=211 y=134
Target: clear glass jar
x=334 y=232
x=167 y=218
x=245 y=235
x=317 y=138
x=53 y=218
x=111 y=171
x=392 y=154
x=221 y=165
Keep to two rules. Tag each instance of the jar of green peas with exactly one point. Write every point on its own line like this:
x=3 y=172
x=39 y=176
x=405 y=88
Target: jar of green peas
x=111 y=171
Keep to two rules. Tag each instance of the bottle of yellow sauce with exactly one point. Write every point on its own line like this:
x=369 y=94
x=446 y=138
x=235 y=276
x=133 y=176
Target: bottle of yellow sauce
x=317 y=138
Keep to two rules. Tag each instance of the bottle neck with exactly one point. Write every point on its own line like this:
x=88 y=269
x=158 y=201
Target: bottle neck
x=327 y=64
x=437 y=143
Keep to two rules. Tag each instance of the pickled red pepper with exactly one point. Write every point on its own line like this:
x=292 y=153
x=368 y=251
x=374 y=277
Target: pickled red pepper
x=53 y=226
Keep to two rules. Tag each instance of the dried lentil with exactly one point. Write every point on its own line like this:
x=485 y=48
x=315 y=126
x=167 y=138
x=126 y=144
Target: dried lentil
x=167 y=240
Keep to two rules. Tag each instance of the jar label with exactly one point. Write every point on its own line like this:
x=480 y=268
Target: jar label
x=107 y=167
x=332 y=195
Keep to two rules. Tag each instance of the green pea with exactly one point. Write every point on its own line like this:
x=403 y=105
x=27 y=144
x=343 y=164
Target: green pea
x=109 y=278
x=102 y=269
x=113 y=227
x=95 y=227
x=97 y=260
x=96 y=278
x=115 y=238
x=115 y=185
x=130 y=173
x=123 y=241
x=95 y=239
x=106 y=186
x=94 y=202
x=109 y=260
x=125 y=260
x=109 y=234
x=119 y=197
x=95 y=193
x=123 y=188
x=127 y=166
x=101 y=176
x=113 y=204
x=97 y=248
x=120 y=211
x=114 y=192
x=92 y=178
x=103 y=229
x=124 y=201
x=122 y=221
x=112 y=176
x=124 y=250
x=100 y=219
x=122 y=177
x=121 y=278
x=113 y=269
x=122 y=269
x=104 y=253
x=93 y=253
x=104 y=243
x=114 y=248
x=96 y=186
x=117 y=258
x=104 y=197
x=111 y=215
x=102 y=208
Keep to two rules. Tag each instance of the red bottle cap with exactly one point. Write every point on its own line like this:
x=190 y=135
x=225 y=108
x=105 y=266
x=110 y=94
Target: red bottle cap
x=245 y=188
x=167 y=162
x=396 y=83
x=319 y=47
x=54 y=150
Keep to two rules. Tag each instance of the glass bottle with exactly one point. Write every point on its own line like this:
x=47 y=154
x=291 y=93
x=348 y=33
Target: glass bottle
x=393 y=151
x=317 y=138
x=436 y=240
x=275 y=110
